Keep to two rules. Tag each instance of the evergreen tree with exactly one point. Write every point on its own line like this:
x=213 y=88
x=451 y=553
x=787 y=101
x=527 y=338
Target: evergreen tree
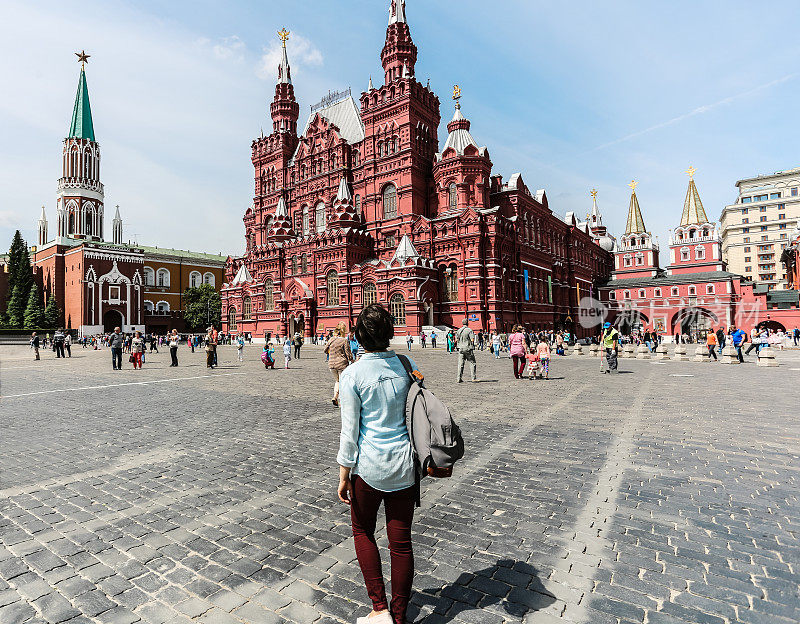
x=16 y=308
x=34 y=312
x=52 y=314
x=24 y=276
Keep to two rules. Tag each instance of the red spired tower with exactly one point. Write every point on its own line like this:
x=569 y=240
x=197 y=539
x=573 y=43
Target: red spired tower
x=399 y=54
x=637 y=254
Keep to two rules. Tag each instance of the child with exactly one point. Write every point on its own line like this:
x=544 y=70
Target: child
x=287 y=352
x=533 y=365
x=267 y=357
x=543 y=352
x=240 y=348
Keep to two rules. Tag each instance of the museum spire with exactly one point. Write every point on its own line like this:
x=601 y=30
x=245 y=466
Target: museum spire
x=693 y=211
x=284 y=108
x=399 y=54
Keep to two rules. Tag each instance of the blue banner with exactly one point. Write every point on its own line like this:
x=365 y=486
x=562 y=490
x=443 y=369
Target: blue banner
x=527 y=286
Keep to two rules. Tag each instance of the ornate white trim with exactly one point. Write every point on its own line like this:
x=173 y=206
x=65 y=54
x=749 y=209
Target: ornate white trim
x=114 y=276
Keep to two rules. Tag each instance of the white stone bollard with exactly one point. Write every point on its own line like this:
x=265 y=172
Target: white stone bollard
x=594 y=350
x=701 y=353
x=577 y=349
x=662 y=353
x=766 y=357
x=680 y=353
x=729 y=355
x=628 y=350
x=643 y=353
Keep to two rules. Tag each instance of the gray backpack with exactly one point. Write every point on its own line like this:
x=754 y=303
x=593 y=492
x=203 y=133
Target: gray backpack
x=436 y=441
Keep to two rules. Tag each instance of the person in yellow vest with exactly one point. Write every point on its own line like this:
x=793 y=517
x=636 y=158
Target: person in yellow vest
x=609 y=341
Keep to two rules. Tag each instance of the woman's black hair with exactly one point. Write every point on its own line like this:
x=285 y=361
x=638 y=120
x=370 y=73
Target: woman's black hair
x=374 y=328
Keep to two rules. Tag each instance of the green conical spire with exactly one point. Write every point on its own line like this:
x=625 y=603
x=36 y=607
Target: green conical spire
x=81 y=126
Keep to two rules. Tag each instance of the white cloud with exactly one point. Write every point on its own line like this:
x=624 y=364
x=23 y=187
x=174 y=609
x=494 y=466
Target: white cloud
x=302 y=53
x=229 y=48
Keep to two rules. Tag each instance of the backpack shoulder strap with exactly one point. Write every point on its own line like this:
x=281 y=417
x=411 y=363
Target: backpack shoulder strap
x=415 y=376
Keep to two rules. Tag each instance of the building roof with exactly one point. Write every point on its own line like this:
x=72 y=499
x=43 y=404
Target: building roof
x=164 y=251
x=783 y=296
x=343 y=114
x=284 y=70
x=459 y=137
x=635 y=224
x=81 y=126
x=405 y=250
x=693 y=211
x=242 y=276
x=670 y=280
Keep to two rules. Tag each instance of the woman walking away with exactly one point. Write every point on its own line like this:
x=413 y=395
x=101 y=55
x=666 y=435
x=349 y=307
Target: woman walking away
x=339 y=356
x=240 y=347
x=376 y=464
x=496 y=346
x=137 y=350
x=517 y=350
x=173 y=346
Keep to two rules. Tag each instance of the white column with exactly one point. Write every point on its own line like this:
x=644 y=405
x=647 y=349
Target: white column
x=99 y=302
x=128 y=315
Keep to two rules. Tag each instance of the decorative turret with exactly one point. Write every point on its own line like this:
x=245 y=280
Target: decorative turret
x=461 y=169
x=399 y=54
x=695 y=244
x=281 y=229
x=344 y=213
x=80 y=193
x=594 y=223
x=116 y=228
x=42 y=228
x=284 y=108
x=637 y=254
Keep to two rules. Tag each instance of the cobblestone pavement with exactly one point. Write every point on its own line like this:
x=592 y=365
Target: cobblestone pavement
x=665 y=494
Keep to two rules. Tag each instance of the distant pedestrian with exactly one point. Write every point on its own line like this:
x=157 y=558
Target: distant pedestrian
x=115 y=342
x=58 y=343
x=738 y=338
x=68 y=344
x=35 y=345
x=465 y=344
x=496 y=346
x=137 y=350
x=339 y=357
x=543 y=353
x=721 y=339
x=174 y=339
x=433 y=340
x=422 y=340
x=298 y=342
x=609 y=341
x=211 y=347
x=796 y=335
x=376 y=465
x=240 y=348
x=711 y=344
x=517 y=347
x=409 y=341
x=287 y=352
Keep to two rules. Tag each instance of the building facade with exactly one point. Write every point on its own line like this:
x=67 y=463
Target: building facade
x=757 y=226
x=694 y=293
x=102 y=284
x=362 y=206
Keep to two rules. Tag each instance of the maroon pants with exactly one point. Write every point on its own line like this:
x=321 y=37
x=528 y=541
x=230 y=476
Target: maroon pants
x=519 y=365
x=399 y=513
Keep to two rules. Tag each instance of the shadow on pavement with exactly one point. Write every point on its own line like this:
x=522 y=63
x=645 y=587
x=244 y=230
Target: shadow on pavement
x=509 y=586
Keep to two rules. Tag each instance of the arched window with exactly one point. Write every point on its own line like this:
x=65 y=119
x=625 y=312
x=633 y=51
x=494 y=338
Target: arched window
x=306 y=227
x=247 y=308
x=304 y=263
x=453 y=195
x=149 y=277
x=162 y=277
x=333 y=288
x=231 y=319
x=380 y=149
x=370 y=294
x=639 y=259
x=194 y=279
x=451 y=284
x=294 y=265
x=657 y=292
x=692 y=290
x=642 y=294
x=675 y=291
x=699 y=252
x=357 y=204
x=356 y=158
x=627 y=260
x=269 y=298
x=390 y=201
x=208 y=278
x=627 y=294
x=397 y=308
x=162 y=306
x=148 y=307
x=320 y=218
x=710 y=289
x=685 y=253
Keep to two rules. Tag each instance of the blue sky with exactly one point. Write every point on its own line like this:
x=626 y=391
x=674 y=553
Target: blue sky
x=574 y=95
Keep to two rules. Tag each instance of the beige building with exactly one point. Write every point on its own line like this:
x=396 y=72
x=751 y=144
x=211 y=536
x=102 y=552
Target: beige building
x=756 y=228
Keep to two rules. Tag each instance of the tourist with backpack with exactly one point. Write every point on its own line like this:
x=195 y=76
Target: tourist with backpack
x=376 y=462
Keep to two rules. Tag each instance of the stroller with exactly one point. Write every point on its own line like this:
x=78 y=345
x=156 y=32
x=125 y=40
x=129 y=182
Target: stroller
x=267 y=359
x=534 y=367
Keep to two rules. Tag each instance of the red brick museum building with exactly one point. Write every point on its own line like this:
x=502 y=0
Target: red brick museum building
x=362 y=205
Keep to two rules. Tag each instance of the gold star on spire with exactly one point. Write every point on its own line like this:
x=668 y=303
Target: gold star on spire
x=284 y=35
x=83 y=58
x=690 y=172
x=633 y=185
x=593 y=193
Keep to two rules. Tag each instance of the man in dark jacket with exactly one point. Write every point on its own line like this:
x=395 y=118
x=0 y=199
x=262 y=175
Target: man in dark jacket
x=115 y=341
x=721 y=339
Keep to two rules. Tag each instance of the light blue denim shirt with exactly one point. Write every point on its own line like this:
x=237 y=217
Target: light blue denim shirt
x=374 y=441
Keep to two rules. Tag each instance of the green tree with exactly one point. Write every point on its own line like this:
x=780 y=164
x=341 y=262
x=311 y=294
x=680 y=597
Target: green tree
x=16 y=308
x=34 y=312
x=52 y=314
x=201 y=305
x=19 y=267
